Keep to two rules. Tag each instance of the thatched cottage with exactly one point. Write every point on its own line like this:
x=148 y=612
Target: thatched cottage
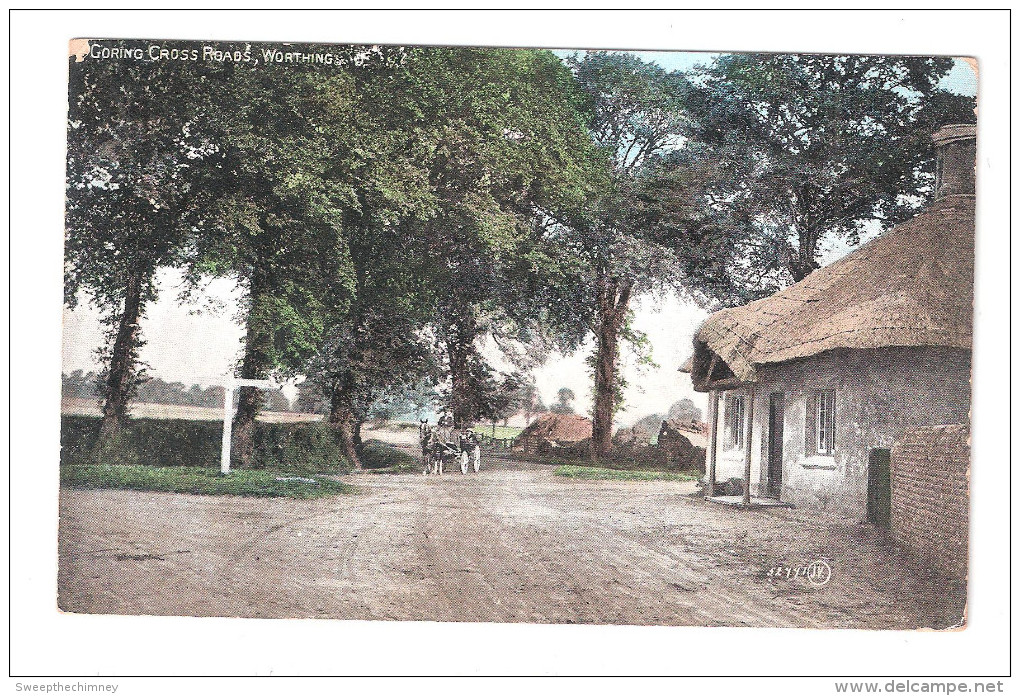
x=810 y=388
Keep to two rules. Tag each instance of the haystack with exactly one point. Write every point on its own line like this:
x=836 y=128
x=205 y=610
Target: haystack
x=683 y=443
x=554 y=430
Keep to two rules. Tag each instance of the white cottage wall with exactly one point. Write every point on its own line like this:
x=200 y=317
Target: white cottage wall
x=879 y=393
x=730 y=460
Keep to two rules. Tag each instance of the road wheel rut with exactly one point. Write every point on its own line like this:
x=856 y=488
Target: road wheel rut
x=509 y=544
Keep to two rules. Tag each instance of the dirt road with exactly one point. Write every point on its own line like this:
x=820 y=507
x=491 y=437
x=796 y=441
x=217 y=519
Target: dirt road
x=511 y=544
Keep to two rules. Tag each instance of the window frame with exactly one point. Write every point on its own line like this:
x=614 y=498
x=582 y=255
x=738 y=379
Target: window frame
x=825 y=422
x=736 y=414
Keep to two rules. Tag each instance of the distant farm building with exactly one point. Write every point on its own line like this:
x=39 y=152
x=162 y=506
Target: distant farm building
x=811 y=388
x=552 y=430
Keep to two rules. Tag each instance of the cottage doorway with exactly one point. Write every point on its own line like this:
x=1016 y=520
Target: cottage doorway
x=879 y=488
x=774 y=483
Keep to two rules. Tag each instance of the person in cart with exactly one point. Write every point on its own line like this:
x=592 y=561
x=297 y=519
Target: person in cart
x=470 y=450
x=458 y=444
x=447 y=440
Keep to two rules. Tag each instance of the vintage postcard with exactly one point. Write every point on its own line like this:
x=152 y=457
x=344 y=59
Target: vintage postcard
x=507 y=335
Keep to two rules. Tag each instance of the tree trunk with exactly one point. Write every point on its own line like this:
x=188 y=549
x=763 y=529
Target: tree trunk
x=249 y=403
x=613 y=300
x=605 y=388
x=254 y=365
x=802 y=262
x=460 y=343
x=341 y=417
x=357 y=432
x=122 y=361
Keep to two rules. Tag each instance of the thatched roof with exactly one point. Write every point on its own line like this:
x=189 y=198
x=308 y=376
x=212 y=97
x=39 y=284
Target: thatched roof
x=913 y=286
x=695 y=433
x=559 y=427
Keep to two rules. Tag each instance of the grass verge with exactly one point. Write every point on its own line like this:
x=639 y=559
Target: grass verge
x=200 y=481
x=381 y=458
x=594 y=473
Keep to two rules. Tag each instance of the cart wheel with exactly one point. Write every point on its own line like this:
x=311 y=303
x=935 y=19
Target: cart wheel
x=476 y=455
x=463 y=462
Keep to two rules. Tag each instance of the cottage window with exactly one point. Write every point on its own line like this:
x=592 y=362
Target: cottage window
x=735 y=421
x=825 y=422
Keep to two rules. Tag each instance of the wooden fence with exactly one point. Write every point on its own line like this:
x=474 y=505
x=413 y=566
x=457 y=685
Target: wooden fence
x=488 y=442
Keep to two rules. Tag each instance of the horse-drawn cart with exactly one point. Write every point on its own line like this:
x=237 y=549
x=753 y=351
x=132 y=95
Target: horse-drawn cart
x=442 y=445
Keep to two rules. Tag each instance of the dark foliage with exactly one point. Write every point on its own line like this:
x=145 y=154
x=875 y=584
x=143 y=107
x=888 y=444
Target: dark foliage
x=312 y=447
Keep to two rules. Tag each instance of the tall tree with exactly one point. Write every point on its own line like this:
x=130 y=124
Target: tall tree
x=135 y=151
x=290 y=144
x=819 y=147
x=529 y=400
x=375 y=345
x=465 y=145
x=564 y=401
x=639 y=233
x=511 y=148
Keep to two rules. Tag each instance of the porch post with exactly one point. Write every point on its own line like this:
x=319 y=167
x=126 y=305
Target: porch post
x=748 y=431
x=713 y=430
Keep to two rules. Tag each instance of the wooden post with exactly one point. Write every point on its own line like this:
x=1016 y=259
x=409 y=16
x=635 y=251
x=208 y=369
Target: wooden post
x=713 y=435
x=748 y=431
x=228 y=414
x=228 y=417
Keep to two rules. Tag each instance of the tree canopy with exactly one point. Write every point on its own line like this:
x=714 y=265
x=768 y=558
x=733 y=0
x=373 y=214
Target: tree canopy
x=400 y=217
x=815 y=147
x=135 y=151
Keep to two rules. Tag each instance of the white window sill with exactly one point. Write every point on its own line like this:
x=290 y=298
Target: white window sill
x=819 y=461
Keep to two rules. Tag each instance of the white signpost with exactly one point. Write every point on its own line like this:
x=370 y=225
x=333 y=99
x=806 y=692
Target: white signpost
x=228 y=413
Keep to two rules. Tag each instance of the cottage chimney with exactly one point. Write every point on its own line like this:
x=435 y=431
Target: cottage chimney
x=956 y=152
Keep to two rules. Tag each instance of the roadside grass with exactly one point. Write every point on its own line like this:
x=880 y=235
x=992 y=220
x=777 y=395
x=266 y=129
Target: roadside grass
x=594 y=473
x=200 y=481
x=380 y=458
x=615 y=461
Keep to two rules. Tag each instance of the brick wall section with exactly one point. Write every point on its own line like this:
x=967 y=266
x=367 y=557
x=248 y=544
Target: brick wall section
x=930 y=495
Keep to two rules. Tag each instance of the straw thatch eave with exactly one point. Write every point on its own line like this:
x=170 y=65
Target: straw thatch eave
x=911 y=287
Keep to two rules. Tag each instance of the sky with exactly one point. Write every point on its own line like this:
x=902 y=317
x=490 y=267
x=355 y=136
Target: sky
x=961 y=79
x=199 y=341
x=193 y=343
x=668 y=60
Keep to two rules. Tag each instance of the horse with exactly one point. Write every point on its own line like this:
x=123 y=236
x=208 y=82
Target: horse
x=441 y=443
x=424 y=430
x=428 y=440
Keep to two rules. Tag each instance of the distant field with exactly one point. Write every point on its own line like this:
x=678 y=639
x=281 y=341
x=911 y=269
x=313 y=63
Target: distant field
x=502 y=432
x=89 y=407
x=392 y=433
